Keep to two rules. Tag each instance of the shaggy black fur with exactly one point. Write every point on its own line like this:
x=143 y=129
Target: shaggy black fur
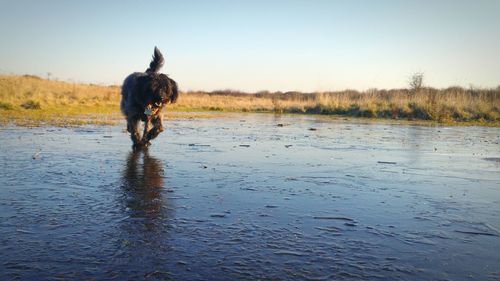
x=144 y=94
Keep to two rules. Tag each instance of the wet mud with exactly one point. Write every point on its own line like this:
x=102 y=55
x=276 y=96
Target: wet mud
x=249 y=197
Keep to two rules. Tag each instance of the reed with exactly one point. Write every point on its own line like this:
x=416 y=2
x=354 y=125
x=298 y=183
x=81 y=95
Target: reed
x=32 y=97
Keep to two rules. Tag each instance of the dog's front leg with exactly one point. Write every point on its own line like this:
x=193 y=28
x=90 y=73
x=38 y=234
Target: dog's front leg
x=133 y=128
x=147 y=129
x=157 y=127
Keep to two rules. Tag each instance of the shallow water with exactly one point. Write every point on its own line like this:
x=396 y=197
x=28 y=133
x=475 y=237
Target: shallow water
x=252 y=197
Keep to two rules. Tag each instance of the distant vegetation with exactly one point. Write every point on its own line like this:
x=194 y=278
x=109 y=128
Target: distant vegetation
x=38 y=99
x=32 y=100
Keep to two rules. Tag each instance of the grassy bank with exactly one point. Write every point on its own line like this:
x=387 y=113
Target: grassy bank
x=29 y=99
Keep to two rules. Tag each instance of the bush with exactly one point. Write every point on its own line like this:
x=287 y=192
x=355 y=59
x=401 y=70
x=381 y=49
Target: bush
x=416 y=81
x=31 y=104
x=420 y=112
x=6 y=106
x=32 y=76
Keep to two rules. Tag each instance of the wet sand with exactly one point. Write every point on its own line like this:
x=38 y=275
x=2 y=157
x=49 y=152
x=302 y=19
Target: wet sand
x=251 y=196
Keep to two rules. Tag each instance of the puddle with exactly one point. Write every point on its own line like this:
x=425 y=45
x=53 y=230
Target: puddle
x=254 y=196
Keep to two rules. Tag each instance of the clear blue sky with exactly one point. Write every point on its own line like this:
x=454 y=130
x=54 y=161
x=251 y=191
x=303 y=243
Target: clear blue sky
x=256 y=45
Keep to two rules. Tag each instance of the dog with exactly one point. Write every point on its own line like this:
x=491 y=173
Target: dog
x=143 y=96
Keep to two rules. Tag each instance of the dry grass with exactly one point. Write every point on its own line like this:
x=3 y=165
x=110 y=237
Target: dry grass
x=35 y=99
x=453 y=104
x=16 y=90
x=32 y=100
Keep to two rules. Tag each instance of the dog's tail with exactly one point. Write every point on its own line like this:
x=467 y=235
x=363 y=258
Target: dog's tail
x=156 y=63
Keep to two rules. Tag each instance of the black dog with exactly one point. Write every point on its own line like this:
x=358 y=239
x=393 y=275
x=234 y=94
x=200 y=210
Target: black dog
x=144 y=94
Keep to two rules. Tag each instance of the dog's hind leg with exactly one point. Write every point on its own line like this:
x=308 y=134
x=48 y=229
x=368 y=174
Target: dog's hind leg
x=157 y=128
x=133 y=128
x=145 y=134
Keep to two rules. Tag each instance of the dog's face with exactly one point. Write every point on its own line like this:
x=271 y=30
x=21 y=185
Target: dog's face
x=157 y=90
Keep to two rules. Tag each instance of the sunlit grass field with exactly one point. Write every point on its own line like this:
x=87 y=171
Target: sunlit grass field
x=30 y=100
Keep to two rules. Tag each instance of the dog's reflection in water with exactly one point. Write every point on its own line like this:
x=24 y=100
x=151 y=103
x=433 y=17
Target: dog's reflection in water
x=142 y=186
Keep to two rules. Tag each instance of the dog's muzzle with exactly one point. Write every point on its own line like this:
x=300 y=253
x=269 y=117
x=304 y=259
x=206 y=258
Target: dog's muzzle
x=150 y=110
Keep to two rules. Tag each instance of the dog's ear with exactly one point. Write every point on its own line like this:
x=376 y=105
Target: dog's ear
x=175 y=91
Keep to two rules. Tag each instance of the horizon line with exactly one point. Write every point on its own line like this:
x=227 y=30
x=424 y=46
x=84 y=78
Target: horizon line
x=368 y=89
